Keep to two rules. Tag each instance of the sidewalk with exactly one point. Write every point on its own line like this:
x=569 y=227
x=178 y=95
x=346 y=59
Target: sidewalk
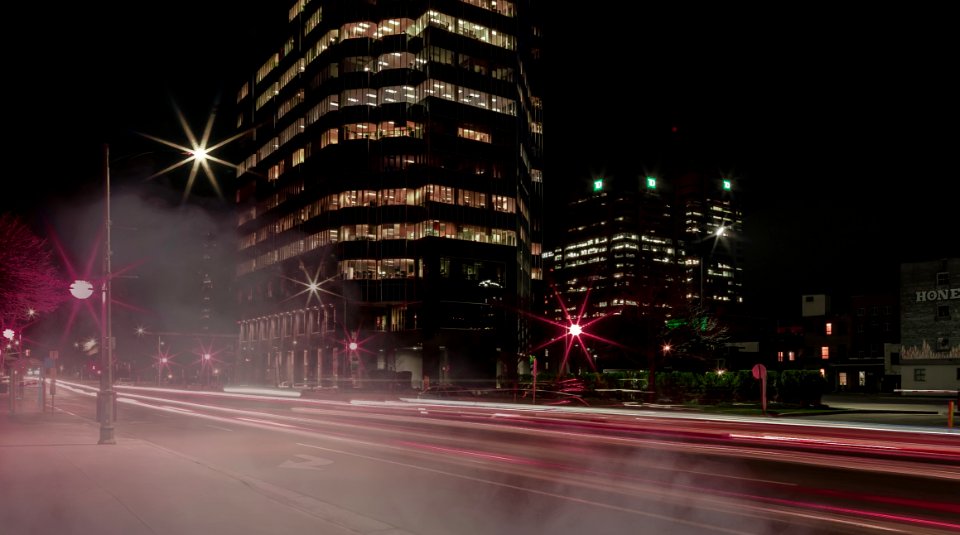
x=924 y=412
x=56 y=479
x=889 y=403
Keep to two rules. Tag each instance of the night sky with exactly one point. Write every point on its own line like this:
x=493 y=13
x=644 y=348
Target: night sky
x=838 y=129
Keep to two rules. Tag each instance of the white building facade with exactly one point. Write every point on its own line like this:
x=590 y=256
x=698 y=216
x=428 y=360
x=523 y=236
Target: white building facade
x=930 y=325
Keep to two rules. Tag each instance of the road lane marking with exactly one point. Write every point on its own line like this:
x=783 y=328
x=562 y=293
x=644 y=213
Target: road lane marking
x=309 y=462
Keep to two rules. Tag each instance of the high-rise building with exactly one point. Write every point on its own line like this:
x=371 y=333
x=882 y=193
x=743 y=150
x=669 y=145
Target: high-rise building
x=390 y=201
x=616 y=265
x=710 y=237
x=640 y=251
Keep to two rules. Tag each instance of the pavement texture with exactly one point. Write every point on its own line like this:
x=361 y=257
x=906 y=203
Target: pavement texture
x=56 y=479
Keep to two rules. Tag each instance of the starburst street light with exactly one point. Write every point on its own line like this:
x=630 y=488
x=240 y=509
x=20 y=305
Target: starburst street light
x=199 y=152
x=574 y=330
x=312 y=285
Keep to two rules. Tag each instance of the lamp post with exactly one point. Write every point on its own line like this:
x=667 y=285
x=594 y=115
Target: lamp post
x=84 y=289
x=107 y=394
x=161 y=360
x=205 y=370
x=9 y=334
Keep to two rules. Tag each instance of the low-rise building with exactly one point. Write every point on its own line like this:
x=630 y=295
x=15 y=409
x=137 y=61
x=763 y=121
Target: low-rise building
x=929 y=356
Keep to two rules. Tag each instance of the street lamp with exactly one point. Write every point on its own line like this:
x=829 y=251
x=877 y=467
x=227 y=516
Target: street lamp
x=84 y=289
x=106 y=325
x=12 y=387
x=205 y=366
x=160 y=366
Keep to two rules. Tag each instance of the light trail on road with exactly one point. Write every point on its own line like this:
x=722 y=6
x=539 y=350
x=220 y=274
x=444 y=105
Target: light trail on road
x=618 y=460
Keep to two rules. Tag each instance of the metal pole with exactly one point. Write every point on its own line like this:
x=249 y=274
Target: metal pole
x=533 y=371
x=12 y=388
x=159 y=361
x=106 y=339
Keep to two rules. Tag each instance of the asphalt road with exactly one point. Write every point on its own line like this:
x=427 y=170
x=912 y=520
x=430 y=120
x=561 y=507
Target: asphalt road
x=433 y=468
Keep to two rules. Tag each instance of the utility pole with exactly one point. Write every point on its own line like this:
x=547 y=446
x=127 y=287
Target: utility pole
x=106 y=329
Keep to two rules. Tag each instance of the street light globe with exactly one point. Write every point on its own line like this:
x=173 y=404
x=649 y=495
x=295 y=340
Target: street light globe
x=353 y=346
x=8 y=334
x=81 y=289
x=200 y=153
x=575 y=330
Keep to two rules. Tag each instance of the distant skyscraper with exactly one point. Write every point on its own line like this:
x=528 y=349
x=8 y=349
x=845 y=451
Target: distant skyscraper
x=710 y=237
x=642 y=250
x=392 y=194
x=615 y=269
x=619 y=246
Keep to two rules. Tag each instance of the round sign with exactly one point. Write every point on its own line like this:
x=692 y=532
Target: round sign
x=759 y=371
x=81 y=289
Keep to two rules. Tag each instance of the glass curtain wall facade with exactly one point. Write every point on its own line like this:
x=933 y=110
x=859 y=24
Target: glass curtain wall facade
x=391 y=196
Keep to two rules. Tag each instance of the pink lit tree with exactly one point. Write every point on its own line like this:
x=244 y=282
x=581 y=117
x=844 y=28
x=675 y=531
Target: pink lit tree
x=28 y=279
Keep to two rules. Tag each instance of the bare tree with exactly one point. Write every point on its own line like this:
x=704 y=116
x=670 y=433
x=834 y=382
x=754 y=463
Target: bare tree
x=28 y=278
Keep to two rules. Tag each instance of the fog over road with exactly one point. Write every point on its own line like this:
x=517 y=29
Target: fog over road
x=434 y=467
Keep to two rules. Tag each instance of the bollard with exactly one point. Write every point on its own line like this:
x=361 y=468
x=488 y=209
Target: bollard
x=950 y=413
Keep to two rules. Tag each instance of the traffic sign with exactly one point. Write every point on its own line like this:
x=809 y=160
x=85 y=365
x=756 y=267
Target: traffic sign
x=760 y=372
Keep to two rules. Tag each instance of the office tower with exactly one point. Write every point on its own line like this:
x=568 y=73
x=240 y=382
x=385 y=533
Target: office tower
x=390 y=201
x=618 y=258
x=642 y=254
x=710 y=237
